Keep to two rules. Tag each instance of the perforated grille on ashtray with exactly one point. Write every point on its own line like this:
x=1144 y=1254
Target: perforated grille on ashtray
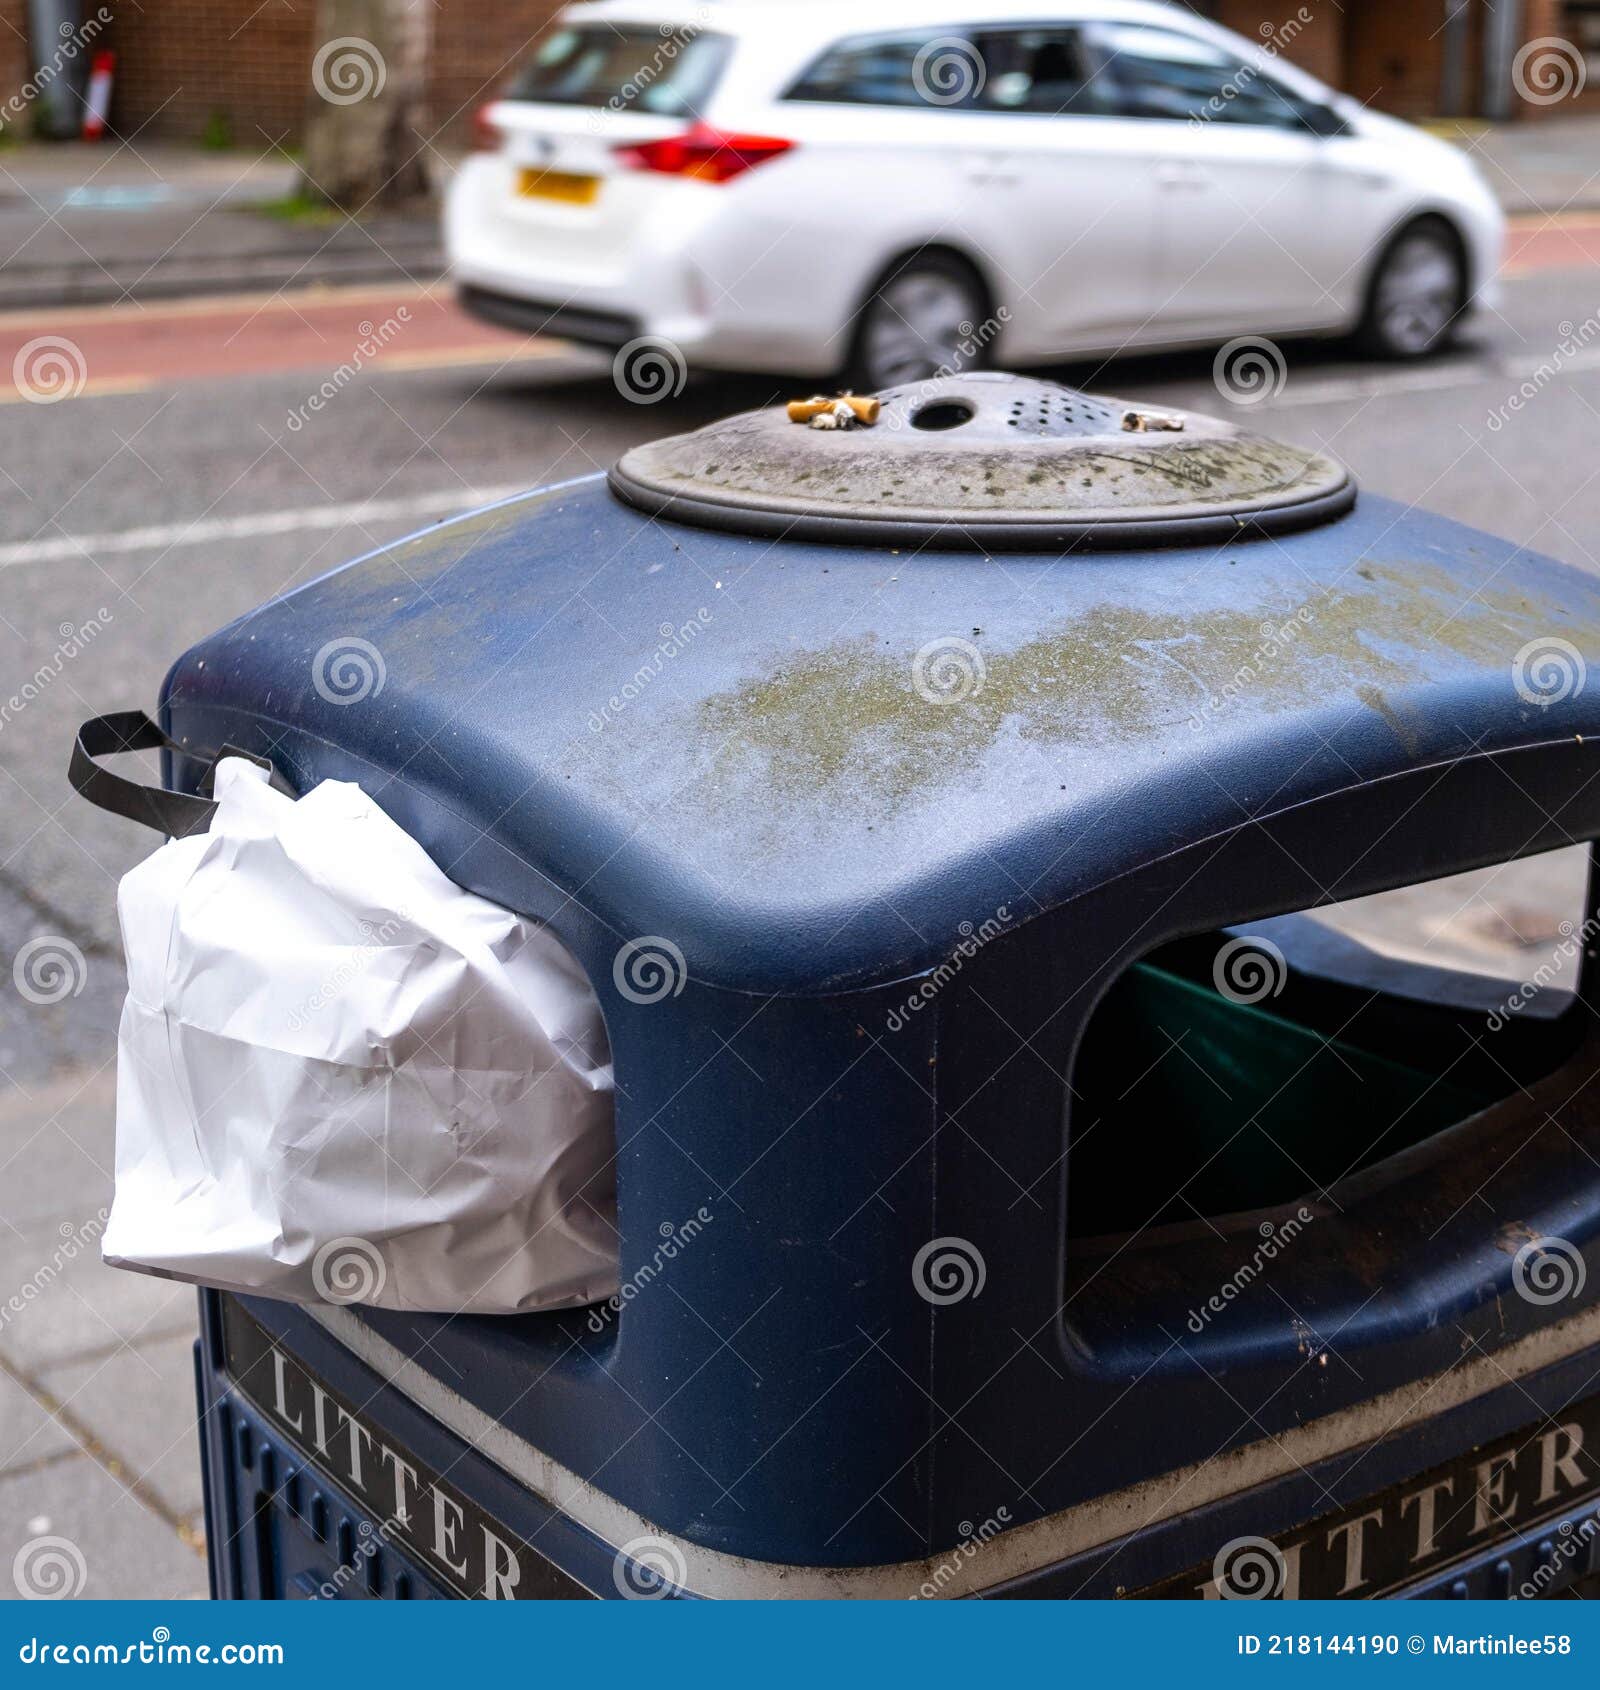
x=1051 y=416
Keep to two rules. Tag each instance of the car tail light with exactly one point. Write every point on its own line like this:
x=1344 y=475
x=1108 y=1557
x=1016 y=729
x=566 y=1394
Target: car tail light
x=486 y=133
x=704 y=153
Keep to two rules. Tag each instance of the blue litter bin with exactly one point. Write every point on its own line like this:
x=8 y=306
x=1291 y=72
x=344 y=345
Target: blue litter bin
x=1011 y=1201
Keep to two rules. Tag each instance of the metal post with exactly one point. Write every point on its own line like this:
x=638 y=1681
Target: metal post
x=1453 y=76
x=1502 y=34
x=57 y=67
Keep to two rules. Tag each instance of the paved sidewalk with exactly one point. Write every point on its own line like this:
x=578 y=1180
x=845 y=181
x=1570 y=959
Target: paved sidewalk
x=90 y=224
x=1541 y=165
x=99 y=1470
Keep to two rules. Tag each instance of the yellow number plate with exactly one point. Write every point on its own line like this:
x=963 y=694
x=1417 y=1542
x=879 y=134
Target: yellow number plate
x=560 y=185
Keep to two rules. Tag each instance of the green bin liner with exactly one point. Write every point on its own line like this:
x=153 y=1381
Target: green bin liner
x=1179 y=1087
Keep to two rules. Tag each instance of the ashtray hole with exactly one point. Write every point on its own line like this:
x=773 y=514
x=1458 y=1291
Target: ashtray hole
x=943 y=414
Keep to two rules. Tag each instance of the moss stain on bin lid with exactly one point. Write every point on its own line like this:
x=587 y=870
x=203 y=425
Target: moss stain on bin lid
x=849 y=715
x=987 y=461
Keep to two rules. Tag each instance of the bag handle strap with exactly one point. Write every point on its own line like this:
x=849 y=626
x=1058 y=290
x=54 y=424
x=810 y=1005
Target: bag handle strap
x=174 y=815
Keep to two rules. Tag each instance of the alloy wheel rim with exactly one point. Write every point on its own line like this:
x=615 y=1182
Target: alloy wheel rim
x=918 y=327
x=1417 y=296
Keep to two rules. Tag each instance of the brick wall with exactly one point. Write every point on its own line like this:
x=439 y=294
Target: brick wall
x=1550 y=20
x=180 y=62
x=1394 y=55
x=1315 y=44
x=185 y=64
x=13 y=46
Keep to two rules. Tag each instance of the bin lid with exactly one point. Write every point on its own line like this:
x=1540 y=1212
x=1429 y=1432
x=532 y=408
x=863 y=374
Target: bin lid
x=988 y=462
x=808 y=765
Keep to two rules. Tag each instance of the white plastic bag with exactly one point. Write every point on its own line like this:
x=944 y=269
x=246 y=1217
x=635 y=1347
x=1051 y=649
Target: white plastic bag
x=341 y=1078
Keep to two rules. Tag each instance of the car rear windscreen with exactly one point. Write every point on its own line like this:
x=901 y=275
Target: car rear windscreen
x=666 y=72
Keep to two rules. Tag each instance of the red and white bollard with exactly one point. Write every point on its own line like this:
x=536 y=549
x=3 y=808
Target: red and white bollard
x=97 y=101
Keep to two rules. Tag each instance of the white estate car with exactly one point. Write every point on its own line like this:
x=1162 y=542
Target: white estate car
x=888 y=189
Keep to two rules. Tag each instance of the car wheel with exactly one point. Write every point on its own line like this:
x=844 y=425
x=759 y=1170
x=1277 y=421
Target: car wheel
x=1416 y=294
x=927 y=318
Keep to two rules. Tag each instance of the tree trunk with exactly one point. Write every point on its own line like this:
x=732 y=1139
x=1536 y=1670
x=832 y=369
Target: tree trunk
x=365 y=141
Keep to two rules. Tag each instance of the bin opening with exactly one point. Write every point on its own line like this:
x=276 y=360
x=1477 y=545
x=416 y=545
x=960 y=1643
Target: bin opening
x=1254 y=1066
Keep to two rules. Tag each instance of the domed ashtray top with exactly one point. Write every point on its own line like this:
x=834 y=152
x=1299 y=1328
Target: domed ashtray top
x=987 y=461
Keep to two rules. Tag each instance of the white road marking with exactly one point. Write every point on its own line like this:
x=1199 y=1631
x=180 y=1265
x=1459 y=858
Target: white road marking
x=65 y=547
x=1433 y=381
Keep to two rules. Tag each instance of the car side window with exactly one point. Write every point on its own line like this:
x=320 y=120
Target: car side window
x=1041 y=71
x=902 y=70
x=1169 y=74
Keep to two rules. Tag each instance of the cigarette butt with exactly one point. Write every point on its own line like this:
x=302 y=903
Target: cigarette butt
x=803 y=410
x=1151 y=422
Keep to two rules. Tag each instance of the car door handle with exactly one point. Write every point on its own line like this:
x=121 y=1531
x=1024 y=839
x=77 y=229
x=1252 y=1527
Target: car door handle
x=992 y=173
x=1181 y=174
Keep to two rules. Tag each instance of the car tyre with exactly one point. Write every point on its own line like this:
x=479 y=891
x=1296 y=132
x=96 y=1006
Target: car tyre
x=929 y=316
x=1417 y=292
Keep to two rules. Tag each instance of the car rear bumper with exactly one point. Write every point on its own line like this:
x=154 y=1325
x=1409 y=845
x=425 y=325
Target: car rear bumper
x=680 y=275
x=542 y=317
